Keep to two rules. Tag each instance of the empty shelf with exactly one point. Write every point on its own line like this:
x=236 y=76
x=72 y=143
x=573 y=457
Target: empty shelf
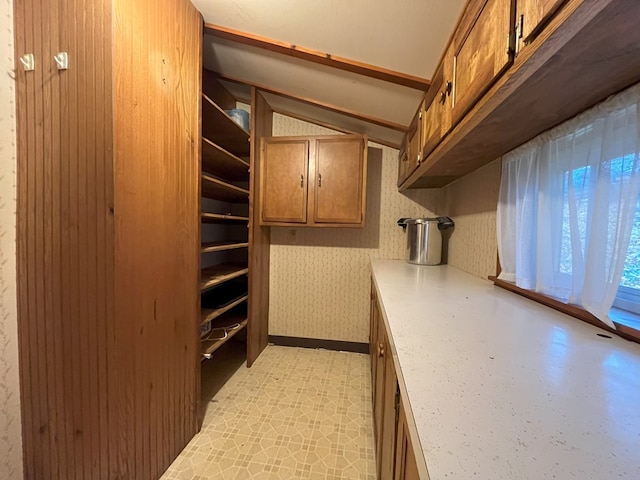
x=211 y=313
x=207 y=217
x=207 y=347
x=218 y=161
x=219 y=190
x=212 y=276
x=221 y=246
x=218 y=127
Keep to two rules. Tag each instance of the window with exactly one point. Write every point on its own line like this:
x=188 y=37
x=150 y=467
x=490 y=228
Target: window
x=628 y=297
x=569 y=211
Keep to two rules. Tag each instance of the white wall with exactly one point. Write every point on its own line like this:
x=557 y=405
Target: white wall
x=10 y=423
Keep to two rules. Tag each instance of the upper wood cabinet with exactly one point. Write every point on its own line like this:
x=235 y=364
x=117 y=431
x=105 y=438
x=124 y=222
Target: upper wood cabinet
x=436 y=122
x=313 y=181
x=482 y=51
x=284 y=180
x=413 y=153
x=569 y=55
x=532 y=16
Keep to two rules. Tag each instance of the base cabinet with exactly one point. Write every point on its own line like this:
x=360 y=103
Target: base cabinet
x=395 y=458
x=406 y=465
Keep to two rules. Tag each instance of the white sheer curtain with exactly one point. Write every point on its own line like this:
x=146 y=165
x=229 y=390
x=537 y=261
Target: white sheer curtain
x=567 y=203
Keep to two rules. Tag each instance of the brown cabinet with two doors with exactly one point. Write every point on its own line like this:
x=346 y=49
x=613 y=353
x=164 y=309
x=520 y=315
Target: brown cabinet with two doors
x=317 y=181
x=395 y=456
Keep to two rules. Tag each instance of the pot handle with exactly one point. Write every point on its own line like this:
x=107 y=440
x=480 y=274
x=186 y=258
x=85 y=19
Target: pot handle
x=402 y=222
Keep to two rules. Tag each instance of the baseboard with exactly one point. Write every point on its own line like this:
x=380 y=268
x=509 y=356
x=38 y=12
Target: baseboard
x=338 y=345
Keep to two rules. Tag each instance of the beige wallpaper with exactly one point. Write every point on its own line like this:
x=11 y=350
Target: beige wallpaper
x=320 y=278
x=472 y=202
x=10 y=425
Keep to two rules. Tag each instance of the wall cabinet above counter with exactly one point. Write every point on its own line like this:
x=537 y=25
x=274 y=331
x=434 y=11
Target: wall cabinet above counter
x=316 y=181
x=512 y=70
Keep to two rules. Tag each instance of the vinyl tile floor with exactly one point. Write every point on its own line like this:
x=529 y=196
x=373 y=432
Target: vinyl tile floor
x=295 y=414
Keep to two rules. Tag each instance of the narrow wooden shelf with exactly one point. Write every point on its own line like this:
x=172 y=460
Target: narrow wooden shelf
x=218 y=127
x=222 y=246
x=211 y=313
x=219 y=190
x=218 y=161
x=207 y=347
x=207 y=217
x=217 y=274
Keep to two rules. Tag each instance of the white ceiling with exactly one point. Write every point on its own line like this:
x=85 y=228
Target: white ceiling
x=408 y=36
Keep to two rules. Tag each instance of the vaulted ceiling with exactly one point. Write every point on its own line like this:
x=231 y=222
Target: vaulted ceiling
x=341 y=63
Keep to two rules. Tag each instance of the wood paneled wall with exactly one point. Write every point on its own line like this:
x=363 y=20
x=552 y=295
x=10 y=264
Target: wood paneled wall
x=108 y=224
x=259 y=237
x=158 y=81
x=65 y=238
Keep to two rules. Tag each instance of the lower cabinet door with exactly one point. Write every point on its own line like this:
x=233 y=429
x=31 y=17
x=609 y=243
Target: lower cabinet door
x=406 y=465
x=389 y=417
x=378 y=385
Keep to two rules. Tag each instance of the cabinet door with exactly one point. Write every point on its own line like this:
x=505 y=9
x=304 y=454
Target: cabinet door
x=406 y=466
x=414 y=144
x=533 y=15
x=373 y=337
x=283 y=182
x=378 y=385
x=389 y=417
x=340 y=169
x=403 y=166
x=482 y=51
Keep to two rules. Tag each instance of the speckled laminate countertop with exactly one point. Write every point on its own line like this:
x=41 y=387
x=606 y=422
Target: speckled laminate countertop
x=501 y=387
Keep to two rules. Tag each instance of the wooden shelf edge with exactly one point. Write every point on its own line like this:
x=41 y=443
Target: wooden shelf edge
x=207 y=217
x=224 y=114
x=222 y=246
x=222 y=278
x=210 y=313
x=216 y=344
x=208 y=178
x=238 y=163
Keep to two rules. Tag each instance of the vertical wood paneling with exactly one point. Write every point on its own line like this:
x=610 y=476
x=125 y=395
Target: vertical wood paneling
x=157 y=82
x=108 y=236
x=24 y=120
x=259 y=237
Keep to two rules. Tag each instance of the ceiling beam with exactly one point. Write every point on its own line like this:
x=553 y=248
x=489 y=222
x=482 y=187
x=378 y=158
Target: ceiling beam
x=321 y=58
x=316 y=103
x=331 y=126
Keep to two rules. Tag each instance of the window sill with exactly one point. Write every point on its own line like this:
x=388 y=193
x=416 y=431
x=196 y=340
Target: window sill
x=627 y=323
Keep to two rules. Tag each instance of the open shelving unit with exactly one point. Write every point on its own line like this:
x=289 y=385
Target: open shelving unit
x=225 y=188
x=234 y=247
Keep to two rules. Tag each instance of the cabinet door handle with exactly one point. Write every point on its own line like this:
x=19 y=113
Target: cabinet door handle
x=380 y=350
x=301 y=181
x=319 y=180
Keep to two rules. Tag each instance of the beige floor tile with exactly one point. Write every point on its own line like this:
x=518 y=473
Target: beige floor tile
x=296 y=414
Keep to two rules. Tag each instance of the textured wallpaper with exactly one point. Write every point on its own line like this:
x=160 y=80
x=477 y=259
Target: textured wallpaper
x=472 y=202
x=10 y=425
x=320 y=278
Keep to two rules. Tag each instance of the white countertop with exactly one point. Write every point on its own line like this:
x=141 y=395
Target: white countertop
x=501 y=387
